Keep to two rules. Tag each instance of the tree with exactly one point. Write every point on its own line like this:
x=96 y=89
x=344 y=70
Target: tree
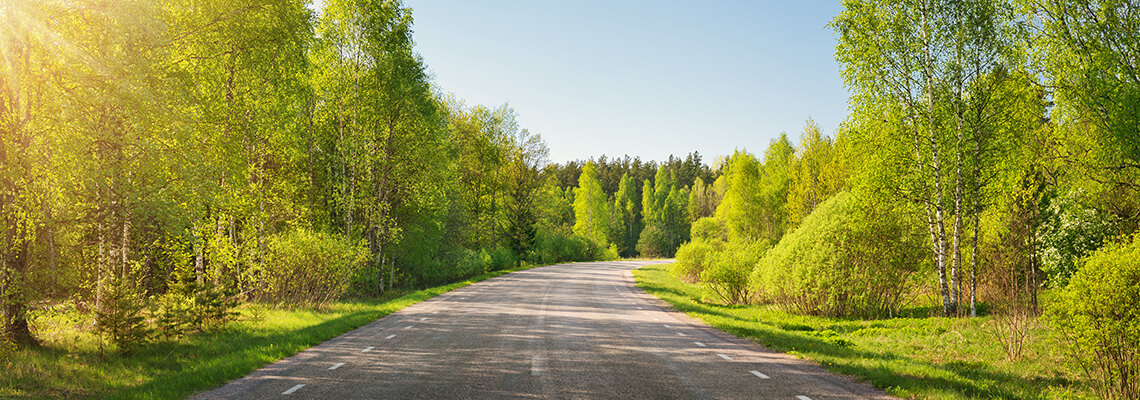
x=21 y=102
x=523 y=183
x=378 y=105
x=740 y=207
x=816 y=172
x=1089 y=53
x=627 y=214
x=920 y=72
x=591 y=212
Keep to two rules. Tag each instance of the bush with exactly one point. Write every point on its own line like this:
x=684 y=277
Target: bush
x=310 y=268
x=122 y=317
x=653 y=242
x=727 y=274
x=692 y=259
x=708 y=229
x=848 y=258
x=189 y=307
x=1099 y=315
x=7 y=348
x=609 y=253
x=560 y=245
x=500 y=258
x=1069 y=232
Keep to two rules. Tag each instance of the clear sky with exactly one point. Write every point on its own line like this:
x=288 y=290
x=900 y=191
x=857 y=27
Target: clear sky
x=646 y=78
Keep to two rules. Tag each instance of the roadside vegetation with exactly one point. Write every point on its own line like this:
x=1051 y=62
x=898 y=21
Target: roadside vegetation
x=73 y=364
x=917 y=355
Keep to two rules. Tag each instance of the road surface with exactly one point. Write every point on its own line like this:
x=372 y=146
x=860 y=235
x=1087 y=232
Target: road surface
x=571 y=331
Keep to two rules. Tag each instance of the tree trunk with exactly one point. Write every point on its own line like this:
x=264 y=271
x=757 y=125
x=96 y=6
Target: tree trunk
x=939 y=219
x=974 y=260
x=15 y=305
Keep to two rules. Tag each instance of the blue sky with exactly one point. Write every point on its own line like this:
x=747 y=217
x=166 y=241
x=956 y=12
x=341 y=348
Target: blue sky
x=644 y=78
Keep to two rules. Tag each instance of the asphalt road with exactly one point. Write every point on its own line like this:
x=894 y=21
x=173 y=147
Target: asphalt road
x=580 y=331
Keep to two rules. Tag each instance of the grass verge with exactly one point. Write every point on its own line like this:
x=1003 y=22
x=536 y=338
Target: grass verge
x=70 y=364
x=914 y=358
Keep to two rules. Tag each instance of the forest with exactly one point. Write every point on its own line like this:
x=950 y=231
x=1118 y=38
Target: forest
x=164 y=163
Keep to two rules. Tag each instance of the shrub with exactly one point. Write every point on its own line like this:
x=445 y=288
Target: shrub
x=848 y=258
x=726 y=277
x=653 y=242
x=1098 y=314
x=1069 y=232
x=707 y=229
x=310 y=268
x=609 y=253
x=7 y=348
x=560 y=245
x=692 y=259
x=501 y=258
x=121 y=317
x=189 y=306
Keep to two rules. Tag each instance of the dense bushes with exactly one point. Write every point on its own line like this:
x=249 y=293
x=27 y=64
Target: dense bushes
x=693 y=258
x=560 y=245
x=848 y=258
x=653 y=242
x=727 y=275
x=723 y=268
x=1099 y=315
x=310 y=268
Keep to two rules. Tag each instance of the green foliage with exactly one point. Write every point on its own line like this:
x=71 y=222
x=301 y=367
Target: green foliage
x=653 y=242
x=708 y=229
x=626 y=217
x=7 y=348
x=122 y=317
x=693 y=259
x=309 y=268
x=817 y=171
x=918 y=357
x=500 y=258
x=727 y=276
x=1070 y=232
x=848 y=258
x=561 y=245
x=591 y=213
x=740 y=208
x=1098 y=316
x=192 y=307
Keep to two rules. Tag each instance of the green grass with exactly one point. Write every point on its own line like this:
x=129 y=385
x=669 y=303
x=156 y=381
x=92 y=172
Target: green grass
x=70 y=364
x=915 y=358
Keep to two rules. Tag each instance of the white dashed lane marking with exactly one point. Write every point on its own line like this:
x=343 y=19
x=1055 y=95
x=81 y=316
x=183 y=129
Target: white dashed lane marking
x=681 y=334
x=699 y=344
x=424 y=318
x=367 y=349
x=409 y=327
x=667 y=326
x=293 y=389
x=338 y=365
x=757 y=373
x=803 y=398
x=390 y=336
x=724 y=356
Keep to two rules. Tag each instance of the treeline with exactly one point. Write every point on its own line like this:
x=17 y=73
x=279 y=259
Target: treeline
x=992 y=151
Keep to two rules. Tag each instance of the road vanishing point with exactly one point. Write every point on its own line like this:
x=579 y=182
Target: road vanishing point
x=569 y=331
